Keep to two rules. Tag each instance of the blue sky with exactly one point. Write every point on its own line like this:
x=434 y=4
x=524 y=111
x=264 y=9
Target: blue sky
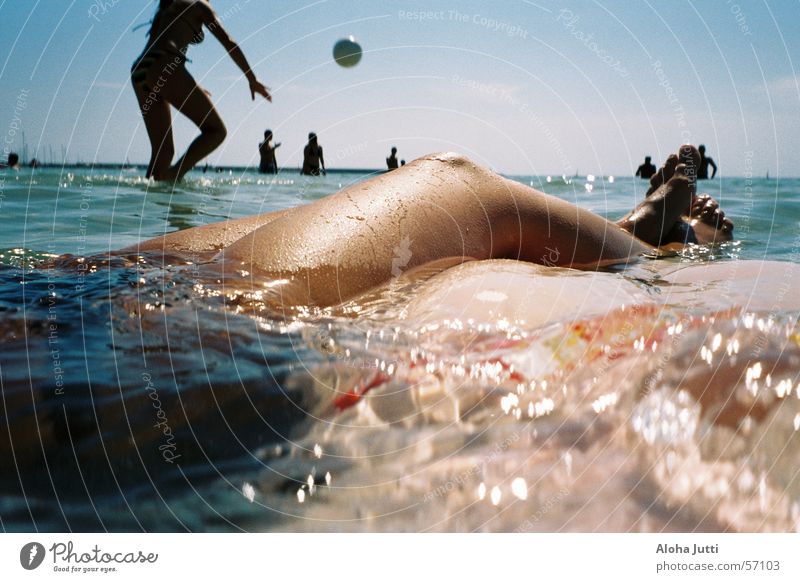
x=523 y=87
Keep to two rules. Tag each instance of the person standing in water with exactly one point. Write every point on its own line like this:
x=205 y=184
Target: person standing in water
x=313 y=160
x=705 y=162
x=269 y=164
x=647 y=169
x=160 y=79
x=391 y=161
x=12 y=162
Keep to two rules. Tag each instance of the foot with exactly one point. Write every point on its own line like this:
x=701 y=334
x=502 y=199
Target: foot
x=663 y=175
x=654 y=219
x=688 y=156
x=171 y=175
x=709 y=221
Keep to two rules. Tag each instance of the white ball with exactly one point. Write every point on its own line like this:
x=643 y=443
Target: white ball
x=347 y=52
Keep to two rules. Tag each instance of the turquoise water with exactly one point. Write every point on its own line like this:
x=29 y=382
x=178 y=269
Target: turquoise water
x=137 y=397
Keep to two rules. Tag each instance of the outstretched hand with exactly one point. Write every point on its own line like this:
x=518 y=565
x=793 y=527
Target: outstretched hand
x=256 y=87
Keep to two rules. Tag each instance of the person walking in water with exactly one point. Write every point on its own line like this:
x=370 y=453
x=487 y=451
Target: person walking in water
x=160 y=79
x=313 y=160
x=705 y=162
x=647 y=169
x=269 y=164
x=391 y=161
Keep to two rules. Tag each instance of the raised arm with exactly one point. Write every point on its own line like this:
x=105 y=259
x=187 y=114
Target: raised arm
x=215 y=26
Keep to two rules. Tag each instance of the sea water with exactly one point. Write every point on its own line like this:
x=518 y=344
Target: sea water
x=138 y=397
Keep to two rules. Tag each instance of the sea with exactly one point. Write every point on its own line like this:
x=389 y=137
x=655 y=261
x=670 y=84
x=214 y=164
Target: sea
x=137 y=398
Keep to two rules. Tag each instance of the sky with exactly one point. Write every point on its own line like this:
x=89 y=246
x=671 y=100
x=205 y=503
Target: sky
x=520 y=86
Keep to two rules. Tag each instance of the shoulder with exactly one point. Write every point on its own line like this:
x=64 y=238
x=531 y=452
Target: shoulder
x=203 y=9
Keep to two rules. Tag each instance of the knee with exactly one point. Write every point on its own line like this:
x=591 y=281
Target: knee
x=452 y=159
x=216 y=131
x=454 y=162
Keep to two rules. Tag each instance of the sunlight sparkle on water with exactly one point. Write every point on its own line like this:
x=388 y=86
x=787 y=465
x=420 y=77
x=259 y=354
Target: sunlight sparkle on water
x=249 y=492
x=496 y=495
x=519 y=488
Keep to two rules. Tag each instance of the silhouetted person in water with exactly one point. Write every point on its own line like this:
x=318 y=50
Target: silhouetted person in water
x=269 y=164
x=702 y=173
x=13 y=161
x=647 y=169
x=313 y=161
x=402 y=162
x=391 y=161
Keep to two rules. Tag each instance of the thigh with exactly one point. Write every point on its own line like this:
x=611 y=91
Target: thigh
x=183 y=92
x=158 y=123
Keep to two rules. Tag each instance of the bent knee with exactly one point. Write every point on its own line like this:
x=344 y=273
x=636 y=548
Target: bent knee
x=215 y=130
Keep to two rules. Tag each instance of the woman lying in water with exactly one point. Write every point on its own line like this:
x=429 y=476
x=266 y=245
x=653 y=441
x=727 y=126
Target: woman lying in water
x=443 y=209
x=160 y=79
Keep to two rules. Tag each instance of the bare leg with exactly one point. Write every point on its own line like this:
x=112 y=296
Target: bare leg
x=439 y=207
x=190 y=99
x=204 y=239
x=158 y=122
